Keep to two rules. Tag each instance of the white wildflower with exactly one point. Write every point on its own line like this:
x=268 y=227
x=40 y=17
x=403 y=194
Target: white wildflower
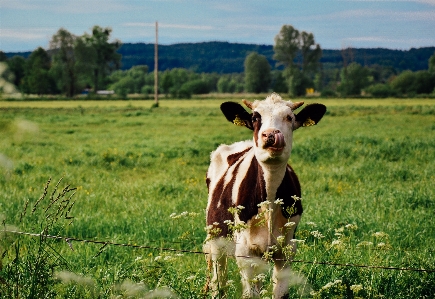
x=380 y=235
x=280 y=239
x=263 y=292
x=336 y=243
x=263 y=204
x=356 y=288
x=289 y=224
x=279 y=201
x=339 y=230
x=317 y=234
x=311 y=224
x=240 y=207
x=296 y=198
x=351 y=226
x=381 y=245
x=191 y=277
x=157 y=258
x=185 y=213
x=173 y=215
x=364 y=244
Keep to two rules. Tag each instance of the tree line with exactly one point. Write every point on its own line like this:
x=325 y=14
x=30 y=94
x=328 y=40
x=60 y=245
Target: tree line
x=88 y=63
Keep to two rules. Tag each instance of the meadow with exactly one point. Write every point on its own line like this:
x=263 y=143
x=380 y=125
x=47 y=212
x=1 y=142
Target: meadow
x=367 y=172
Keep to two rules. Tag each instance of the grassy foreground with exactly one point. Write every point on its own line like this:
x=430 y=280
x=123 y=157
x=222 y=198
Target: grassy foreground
x=367 y=173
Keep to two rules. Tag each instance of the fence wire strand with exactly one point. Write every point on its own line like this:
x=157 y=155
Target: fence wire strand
x=106 y=243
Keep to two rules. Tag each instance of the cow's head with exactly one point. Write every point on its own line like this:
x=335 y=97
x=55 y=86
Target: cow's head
x=273 y=122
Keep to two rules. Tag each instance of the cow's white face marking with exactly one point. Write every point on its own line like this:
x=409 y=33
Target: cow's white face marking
x=273 y=115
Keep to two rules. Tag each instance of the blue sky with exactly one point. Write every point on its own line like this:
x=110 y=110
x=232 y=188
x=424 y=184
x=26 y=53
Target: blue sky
x=395 y=24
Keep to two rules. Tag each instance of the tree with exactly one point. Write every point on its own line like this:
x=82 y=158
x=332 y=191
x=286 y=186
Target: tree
x=354 y=78
x=64 y=61
x=300 y=55
x=104 y=57
x=402 y=83
x=432 y=64
x=3 y=56
x=166 y=82
x=6 y=79
x=257 y=73
x=37 y=78
x=17 y=66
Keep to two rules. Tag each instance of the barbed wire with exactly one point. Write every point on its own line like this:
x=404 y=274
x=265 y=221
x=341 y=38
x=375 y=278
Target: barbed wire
x=106 y=243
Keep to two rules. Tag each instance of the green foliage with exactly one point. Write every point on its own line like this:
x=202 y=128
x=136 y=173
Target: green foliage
x=278 y=83
x=104 y=57
x=84 y=61
x=380 y=90
x=64 y=62
x=354 y=78
x=230 y=83
x=257 y=73
x=297 y=81
x=17 y=66
x=37 y=77
x=432 y=64
x=131 y=81
x=299 y=53
x=411 y=83
x=6 y=80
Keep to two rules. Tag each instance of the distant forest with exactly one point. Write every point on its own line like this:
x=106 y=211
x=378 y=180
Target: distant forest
x=227 y=58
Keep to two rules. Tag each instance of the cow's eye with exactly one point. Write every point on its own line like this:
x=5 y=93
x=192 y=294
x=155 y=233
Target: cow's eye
x=289 y=118
x=255 y=118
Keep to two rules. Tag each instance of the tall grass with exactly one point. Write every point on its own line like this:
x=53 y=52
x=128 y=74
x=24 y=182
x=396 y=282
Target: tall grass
x=367 y=173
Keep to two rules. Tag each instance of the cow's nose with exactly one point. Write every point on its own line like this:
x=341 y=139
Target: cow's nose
x=269 y=136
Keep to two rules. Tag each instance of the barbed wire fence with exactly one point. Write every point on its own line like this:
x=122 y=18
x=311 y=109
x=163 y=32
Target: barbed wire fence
x=103 y=244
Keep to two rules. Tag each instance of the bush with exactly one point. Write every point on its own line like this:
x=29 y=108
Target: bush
x=380 y=90
x=196 y=87
x=328 y=93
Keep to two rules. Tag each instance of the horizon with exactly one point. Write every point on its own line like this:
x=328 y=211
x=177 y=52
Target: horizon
x=216 y=41
x=335 y=24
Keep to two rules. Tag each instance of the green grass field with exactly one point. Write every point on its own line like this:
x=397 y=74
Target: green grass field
x=368 y=181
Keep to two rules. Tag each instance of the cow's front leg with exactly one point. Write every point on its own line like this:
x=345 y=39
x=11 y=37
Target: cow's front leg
x=249 y=272
x=216 y=254
x=252 y=268
x=283 y=258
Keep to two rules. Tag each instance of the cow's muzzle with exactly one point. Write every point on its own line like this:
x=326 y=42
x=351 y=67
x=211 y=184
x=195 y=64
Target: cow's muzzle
x=273 y=139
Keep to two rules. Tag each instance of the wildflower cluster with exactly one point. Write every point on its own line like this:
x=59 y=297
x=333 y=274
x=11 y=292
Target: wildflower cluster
x=184 y=214
x=335 y=289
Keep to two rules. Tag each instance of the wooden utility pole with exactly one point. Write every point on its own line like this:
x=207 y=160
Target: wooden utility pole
x=156 y=67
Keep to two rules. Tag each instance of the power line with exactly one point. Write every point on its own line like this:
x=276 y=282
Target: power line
x=105 y=243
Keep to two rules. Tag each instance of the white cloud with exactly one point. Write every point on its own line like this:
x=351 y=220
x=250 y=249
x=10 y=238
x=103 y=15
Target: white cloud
x=26 y=33
x=382 y=41
x=71 y=7
x=378 y=13
x=173 y=26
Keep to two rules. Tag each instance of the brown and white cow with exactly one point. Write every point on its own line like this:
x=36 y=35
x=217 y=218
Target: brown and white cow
x=253 y=193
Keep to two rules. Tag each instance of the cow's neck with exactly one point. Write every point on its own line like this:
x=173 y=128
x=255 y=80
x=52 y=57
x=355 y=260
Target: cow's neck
x=273 y=176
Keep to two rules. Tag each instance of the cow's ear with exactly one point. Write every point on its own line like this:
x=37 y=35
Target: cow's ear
x=235 y=113
x=310 y=115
